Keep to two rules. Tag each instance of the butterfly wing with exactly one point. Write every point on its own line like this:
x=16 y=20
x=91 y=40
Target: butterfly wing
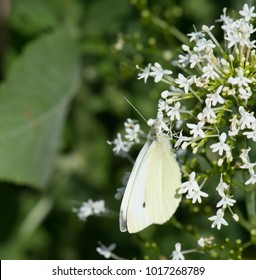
x=133 y=214
x=163 y=182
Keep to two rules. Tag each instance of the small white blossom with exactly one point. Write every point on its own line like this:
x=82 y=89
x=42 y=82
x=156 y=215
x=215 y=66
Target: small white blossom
x=177 y=254
x=105 y=251
x=250 y=135
x=247 y=119
x=181 y=139
x=222 y=186
x=145 y=74
x=196 y=129
x=216 y=97
x=203 y=241
x=225 y=201
x=247 y=12
x=221 y=146
x=194 y=60
x=252 y=179
x=190 y=185
x=157 y=72
x=120 y=146
x=184 y=60
x=196 y=195
x=208 y=112
x=195 y=36
x=234 y=126
x=227 y=21
x=218 y=220
x=133 y=131
x=163 y=105
x=209 y=72
x=244 y=155
x=245 y=93
x=240 y=80
x=184 y=82
x=204 y=44
x=90 y=208
x=173 y=112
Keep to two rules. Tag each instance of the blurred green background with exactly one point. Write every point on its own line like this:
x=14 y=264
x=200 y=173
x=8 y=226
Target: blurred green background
x=65 y=66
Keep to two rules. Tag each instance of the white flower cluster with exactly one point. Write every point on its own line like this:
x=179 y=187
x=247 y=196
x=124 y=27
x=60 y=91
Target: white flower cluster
x=211 y=104
x=90 y=208
x=133 y=134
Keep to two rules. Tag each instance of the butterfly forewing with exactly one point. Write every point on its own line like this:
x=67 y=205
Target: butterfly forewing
x=133 y=215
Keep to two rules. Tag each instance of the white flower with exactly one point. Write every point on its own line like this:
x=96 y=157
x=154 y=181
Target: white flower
x=196 y=195
x=247 y=120
x=245 y=93
x=90 y=208
x=181 y=139
x=247 y=12
x=218 y=220
x=120 y=146
x=221 y=146
x=252 y=179
x=194 y=60
x=196 y=129
x=203 y=241
x=215 y=97
x=184 y=82
x=177 y=254
x=204 y=44
x=222 y=186
x=244 y=155
x=234 y=126
x=184 y=60
x=225 y=201
x=190 y=185
x=173 y=112
x=251 y=134
x=158 y=72
x=208 y=112
x=163 y=105
x=209 y=72
x=133 y=131
x=106 y=251
x=195 y=36
x=145 y=74
x=225 y=19
x=240 y=80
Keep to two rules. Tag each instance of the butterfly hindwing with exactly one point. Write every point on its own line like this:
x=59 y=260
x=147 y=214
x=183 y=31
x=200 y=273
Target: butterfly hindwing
x=163 y=182
x=151 y=193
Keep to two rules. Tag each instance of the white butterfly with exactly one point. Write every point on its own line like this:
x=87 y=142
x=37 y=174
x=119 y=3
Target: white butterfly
x=151 y=195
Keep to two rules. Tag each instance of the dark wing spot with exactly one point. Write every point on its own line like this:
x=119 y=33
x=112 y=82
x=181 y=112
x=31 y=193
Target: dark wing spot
x=144 y=204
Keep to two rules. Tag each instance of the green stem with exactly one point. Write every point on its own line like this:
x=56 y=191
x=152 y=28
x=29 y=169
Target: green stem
x=173 y=30
x=35 y=218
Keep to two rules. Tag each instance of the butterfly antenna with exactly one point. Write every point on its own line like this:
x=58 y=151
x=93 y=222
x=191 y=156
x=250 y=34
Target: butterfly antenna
x=135 y=109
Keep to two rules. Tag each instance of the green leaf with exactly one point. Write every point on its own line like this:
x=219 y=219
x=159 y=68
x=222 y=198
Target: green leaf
x=30 y=17
x=33 y=105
